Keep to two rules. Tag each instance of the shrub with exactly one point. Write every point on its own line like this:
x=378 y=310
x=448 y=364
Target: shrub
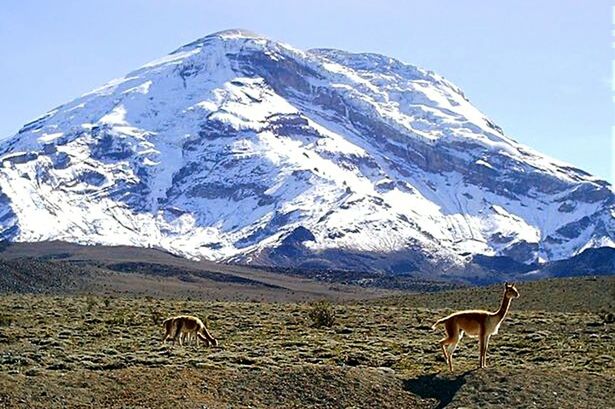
x=119 y=317
x=107 y=302
x=156 y=315
x=607 y=316
x=322 y=314
x=90 y=303
x=5 y=320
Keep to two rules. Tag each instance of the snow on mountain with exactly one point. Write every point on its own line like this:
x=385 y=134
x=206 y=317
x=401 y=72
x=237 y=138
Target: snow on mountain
x=236 y=147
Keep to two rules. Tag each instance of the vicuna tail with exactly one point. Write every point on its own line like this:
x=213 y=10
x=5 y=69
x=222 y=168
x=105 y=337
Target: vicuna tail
x=440 y=321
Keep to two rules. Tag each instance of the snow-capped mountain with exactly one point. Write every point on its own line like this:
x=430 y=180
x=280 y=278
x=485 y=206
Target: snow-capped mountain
x=238 y=148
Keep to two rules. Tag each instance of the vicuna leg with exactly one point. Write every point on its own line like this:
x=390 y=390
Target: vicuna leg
x=178 y=335
x=485 y=350
x=443 y=345
x=451 y=339
x=169 y=330
x=444 y=342
x=482 y=346
x=452 y=347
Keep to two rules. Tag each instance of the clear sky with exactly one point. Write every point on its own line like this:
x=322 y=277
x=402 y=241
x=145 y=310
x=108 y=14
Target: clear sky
x=542 y=70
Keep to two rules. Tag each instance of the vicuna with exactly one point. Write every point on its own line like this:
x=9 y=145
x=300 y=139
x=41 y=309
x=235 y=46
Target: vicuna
x=475 y=323
x=187 y=326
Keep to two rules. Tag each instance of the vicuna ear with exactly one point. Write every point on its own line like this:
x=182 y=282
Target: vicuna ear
x=507 y=284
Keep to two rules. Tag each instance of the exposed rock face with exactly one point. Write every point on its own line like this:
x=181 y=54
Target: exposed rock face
x=236 y=147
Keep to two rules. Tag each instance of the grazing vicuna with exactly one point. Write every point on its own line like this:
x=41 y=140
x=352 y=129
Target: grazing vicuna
x=184 y=326
x=475 y=323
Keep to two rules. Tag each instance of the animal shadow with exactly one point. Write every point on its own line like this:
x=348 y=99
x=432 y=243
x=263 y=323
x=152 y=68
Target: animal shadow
x=436 y=386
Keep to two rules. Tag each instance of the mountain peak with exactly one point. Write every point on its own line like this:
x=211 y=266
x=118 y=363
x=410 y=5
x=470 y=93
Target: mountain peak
x=229 y=35
x=235 y=33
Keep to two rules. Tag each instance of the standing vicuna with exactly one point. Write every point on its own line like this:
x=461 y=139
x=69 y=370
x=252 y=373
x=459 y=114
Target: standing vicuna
x=187 y=326
x=475 y=323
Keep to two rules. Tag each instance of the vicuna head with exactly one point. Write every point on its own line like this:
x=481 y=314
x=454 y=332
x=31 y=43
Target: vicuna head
x=510 y=291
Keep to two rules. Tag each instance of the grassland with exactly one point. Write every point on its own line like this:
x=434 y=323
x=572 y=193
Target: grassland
x=555 y=349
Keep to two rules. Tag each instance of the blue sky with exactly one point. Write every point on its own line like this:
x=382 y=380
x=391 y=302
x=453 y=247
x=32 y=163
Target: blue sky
x=542 y=70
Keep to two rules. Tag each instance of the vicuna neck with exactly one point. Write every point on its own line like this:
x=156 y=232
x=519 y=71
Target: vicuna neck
x=503 y=307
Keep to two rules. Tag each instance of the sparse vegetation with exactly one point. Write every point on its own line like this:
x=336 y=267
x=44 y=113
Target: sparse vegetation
x=376 y=355
x=64 y=268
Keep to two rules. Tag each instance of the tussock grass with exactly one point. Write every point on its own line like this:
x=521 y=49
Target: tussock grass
x=322 y=314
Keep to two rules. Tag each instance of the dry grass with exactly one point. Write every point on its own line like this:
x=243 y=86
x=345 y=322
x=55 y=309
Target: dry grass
x=106 y=352
x=579 y=294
